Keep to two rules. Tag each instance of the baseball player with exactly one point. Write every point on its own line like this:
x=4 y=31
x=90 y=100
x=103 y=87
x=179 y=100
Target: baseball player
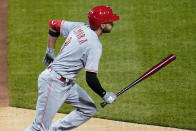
x=56 y=84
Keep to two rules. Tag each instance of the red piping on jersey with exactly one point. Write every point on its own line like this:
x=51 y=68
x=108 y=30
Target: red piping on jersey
x=91 y=70
x=46 y=102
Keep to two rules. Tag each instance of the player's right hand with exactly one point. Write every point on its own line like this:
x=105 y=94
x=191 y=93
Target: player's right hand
x=109 y=97
x=49 y=56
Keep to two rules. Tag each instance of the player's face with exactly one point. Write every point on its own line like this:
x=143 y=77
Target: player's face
x=108 y=27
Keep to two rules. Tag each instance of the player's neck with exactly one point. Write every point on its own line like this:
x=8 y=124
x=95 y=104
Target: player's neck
x=98 y=32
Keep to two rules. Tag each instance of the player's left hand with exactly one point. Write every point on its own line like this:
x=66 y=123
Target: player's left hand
x=49 y=57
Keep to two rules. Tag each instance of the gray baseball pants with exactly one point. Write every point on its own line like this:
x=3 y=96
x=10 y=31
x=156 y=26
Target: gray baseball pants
x=52 y=94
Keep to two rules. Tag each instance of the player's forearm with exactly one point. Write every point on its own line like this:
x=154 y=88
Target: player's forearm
x=54 y=32
x=50 y=51
x=94 y=83
x=51 y=41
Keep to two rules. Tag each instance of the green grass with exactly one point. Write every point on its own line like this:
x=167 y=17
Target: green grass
x=147 y=32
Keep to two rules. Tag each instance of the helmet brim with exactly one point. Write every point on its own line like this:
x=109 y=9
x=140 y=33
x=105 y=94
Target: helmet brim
x=115 y=17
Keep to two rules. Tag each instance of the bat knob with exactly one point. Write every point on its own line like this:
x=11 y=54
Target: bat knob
x=103 y=104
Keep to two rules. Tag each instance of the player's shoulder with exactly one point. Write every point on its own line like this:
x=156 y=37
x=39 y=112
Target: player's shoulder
x=92 y=36
x=94 y=43
x=71 y=24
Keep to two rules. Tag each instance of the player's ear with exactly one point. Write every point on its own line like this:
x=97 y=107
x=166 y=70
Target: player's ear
x=102 y=26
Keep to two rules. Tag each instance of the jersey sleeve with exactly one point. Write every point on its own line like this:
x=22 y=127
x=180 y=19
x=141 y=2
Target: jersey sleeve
x=67 y=26
x=93 y=58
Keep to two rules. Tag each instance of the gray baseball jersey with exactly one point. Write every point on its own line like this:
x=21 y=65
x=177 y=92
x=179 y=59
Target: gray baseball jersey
x=82 y=49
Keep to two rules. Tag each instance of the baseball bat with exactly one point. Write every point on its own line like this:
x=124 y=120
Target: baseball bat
x=150 y=72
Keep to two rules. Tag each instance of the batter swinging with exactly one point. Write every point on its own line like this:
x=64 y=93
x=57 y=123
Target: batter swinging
x=56 y=84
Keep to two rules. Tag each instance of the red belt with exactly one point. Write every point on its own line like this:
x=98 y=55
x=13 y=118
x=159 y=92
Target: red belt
x=61 y=78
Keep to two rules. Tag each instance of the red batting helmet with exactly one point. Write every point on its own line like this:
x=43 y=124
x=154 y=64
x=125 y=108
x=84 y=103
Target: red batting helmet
x=99 y=15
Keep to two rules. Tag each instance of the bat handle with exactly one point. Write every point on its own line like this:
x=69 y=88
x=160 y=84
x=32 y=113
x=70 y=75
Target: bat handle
x=103 y=104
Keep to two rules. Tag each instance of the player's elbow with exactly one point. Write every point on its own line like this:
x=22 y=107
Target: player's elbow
x=55 y=25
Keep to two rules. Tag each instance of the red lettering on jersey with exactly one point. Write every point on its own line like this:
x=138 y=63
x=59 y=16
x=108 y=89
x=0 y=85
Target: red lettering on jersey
x=79 y=33
x=82 y=41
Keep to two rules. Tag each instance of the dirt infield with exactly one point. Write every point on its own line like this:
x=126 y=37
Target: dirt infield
x=16 y=119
